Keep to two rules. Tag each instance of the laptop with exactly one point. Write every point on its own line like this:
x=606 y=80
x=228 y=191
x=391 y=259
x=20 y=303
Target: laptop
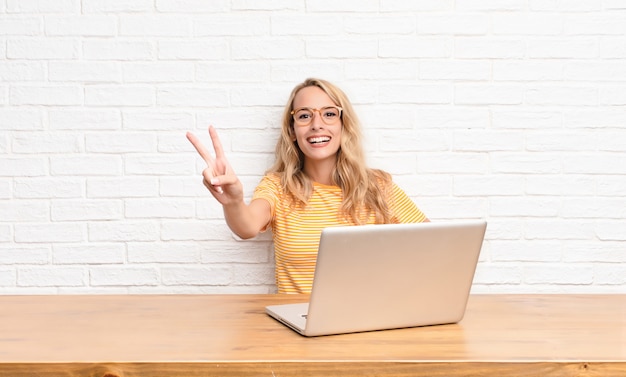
x=388 y=276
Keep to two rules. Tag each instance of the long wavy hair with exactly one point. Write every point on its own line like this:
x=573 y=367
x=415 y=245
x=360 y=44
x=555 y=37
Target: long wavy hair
x=365 y=191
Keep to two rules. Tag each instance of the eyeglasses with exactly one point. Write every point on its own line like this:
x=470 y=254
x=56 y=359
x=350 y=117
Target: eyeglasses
x=304 y=115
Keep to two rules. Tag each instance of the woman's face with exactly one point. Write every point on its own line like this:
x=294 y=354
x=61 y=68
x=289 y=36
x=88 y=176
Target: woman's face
x=320 y=140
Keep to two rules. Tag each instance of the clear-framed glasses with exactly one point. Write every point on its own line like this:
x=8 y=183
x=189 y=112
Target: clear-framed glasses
x=303 y=116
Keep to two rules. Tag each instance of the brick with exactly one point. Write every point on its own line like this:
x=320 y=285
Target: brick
x=43 y=48
x=528 y=70
x=84 y=72
x=51 y=277
x=6 y=189
x=210 y=275
x=22 y=71
x=489 y=48
x=559 y=229
x=241 y=71
x=533 y=251
x=556 y=273
x=595 y=24
x=8 y=277
x=165 y=252
x=23 y=166
x=526 y=118
x=47 y=142
x=86 y=165
x=158 y=72
x=610 y=230
x=92 y=119
x=412 y=6
x=196 y=231
x=21 y=119
x=85 y=210
x=253 y=274
x=90 y=26
x=192 y=6
x=48 y=188
x=160 y=25
x=62 y=95
x=454 y=23
x=193 y=50
x=524 y=207
x=612 y=95
x=159 y=208
x=279 y=48
x=87 y=254
x=525 y=163
x=120 y=142
x=18 y=255
x=119 y=96
x=485 y=141
x=123 y=276
x=527 y=24
x=492 y=185
x=192 y=96
x=117 y=6
x=316 y=25
x=118 y=49
x=49 y=232
x=228 y=25
x=417 y=94
x=414 y=47
x=455 y=70
x=158 y=120
x=491 y=5
x=42 y=6
x=123 y=231
x=122 y=187
x=486 y=94
x=563 y=48
x=560 y=95
x=20 y=26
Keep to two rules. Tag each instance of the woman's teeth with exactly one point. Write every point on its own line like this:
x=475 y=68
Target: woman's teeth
x=315 y=140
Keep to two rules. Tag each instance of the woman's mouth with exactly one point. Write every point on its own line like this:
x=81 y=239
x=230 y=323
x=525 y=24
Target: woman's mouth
x=318 y=139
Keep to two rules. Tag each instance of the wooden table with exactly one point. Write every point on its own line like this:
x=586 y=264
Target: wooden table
x=230 y=335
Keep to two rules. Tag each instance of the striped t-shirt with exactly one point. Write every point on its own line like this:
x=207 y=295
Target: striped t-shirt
x=296 y=231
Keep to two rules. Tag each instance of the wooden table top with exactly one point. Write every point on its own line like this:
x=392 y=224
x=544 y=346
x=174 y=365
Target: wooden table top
x=132 y=335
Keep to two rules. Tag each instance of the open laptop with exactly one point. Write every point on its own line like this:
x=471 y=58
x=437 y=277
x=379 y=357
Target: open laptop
x=376 y=277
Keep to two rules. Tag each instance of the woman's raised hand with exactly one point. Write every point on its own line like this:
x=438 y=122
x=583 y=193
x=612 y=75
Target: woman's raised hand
x=218 y=176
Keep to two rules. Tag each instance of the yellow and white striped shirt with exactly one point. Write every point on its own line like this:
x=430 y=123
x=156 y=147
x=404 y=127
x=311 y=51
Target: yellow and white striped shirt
x=296 y=231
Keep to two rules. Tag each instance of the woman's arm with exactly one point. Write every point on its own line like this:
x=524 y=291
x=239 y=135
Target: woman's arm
x=246 y=221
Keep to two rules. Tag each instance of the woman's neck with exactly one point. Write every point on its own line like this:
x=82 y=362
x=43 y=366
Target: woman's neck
x=320 y=171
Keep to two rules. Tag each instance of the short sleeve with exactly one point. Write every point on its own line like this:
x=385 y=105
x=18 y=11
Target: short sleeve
x=269 y=189
x=403 y=209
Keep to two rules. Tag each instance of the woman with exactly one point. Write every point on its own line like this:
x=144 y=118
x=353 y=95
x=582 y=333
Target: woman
x=319 y=179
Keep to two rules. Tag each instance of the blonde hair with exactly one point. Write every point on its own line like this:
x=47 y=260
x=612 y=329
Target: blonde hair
x=364 y=190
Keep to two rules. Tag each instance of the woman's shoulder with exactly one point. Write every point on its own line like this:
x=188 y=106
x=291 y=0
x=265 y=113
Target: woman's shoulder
x=381 y=177
x=271 y=180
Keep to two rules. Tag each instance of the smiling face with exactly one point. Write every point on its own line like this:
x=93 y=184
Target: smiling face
x=318 y=141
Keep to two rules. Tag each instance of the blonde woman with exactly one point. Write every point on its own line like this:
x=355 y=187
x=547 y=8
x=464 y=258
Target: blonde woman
x=319 y=179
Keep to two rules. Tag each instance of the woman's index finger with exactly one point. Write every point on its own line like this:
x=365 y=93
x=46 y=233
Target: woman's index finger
x=202 y=151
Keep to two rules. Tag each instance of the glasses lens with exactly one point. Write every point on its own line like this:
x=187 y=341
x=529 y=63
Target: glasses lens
x=303 y=116
x=330 y=114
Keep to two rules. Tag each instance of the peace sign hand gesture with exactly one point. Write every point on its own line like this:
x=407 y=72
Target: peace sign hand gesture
x=219 y=176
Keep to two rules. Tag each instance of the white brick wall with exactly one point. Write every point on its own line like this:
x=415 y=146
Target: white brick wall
x=513 y=111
